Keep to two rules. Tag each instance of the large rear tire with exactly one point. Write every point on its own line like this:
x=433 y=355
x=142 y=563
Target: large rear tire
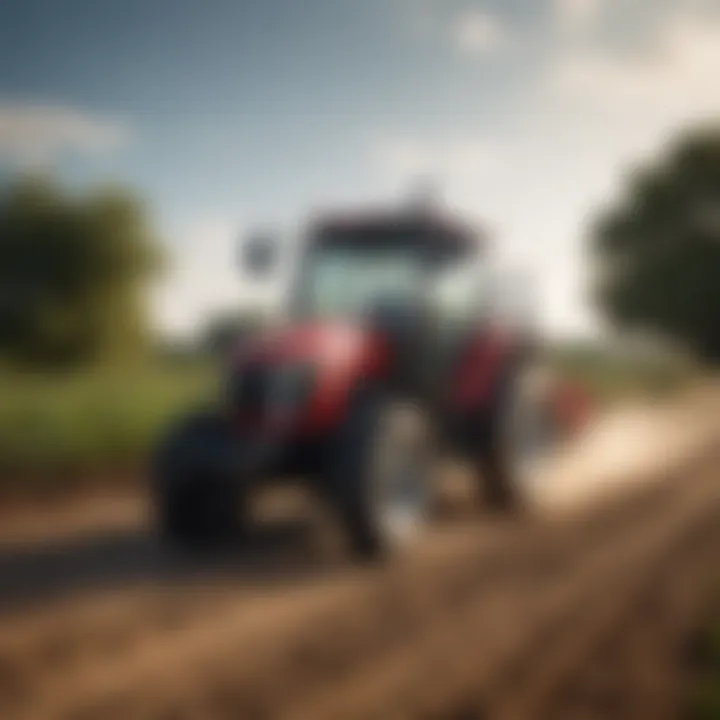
x=380 y=473
x=519 y=438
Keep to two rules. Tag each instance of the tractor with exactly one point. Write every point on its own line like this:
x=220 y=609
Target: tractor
x=390 y=354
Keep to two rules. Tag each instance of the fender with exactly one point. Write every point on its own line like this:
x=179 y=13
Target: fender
x=368 y=359
x=481 y=367
x=489 y=356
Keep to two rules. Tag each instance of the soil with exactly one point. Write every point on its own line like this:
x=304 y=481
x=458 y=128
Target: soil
x=583 y=613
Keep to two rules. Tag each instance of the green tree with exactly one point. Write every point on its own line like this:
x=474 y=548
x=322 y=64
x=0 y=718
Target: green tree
x=73 y=273
x=659 y=248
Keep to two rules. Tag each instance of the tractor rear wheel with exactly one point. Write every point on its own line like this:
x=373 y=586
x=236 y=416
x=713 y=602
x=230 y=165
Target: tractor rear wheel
x=380 y=473
x=520 y=437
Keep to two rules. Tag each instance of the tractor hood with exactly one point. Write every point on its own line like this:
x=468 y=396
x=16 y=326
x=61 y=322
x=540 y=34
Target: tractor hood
x=297 y=376
x=329 y=344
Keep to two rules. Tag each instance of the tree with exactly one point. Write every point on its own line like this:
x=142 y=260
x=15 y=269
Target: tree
x=658 y=251
x=73 y=271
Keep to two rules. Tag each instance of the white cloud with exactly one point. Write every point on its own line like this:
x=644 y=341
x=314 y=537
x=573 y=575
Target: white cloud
x=605 y=112
x=37 y=134
x=597 y=112
x=577 y=15
x=676 y=78
x=478 y=32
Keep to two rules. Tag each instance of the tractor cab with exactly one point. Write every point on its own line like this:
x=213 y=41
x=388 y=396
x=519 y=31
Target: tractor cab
x=351 y=262
x=417 y=278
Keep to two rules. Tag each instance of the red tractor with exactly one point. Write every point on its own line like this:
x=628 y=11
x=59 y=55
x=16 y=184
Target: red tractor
x=390 y=356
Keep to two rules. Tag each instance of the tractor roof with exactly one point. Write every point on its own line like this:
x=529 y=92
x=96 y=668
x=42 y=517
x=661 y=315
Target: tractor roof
x=432 y=227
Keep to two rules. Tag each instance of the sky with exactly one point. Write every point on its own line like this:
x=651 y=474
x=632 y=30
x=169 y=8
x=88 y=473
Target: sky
x=232 y=114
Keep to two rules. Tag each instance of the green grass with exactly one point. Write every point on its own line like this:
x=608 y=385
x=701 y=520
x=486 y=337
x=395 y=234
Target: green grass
x=610 y=378
x=56 y=431
x=703 y=699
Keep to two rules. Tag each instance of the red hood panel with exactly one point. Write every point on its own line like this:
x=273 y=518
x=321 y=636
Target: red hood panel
x=322 y=341
x=342 y=354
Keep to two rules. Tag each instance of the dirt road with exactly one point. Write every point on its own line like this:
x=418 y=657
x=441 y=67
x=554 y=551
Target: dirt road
x=572 y=615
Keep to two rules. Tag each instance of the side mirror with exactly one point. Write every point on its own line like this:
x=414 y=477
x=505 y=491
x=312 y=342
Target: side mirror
x=258 y=254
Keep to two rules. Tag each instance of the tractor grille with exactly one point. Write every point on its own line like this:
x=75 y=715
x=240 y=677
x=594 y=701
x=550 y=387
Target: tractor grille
x=250 y=387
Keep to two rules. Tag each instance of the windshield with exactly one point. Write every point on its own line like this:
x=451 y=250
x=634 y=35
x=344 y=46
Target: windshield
x=346 y=281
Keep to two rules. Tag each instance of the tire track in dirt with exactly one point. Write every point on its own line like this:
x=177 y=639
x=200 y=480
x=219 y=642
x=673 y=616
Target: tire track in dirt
x=446 y=632
x=636 y=670
x=208 y=632
x=495 y=648
x=60 y=644
x=617 y=608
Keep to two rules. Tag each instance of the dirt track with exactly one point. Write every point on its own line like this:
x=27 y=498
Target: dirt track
x=574 y=617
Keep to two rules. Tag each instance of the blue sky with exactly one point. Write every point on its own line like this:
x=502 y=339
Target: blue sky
x=225 y=113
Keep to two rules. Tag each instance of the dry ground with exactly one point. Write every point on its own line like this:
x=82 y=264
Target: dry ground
x=579 y=610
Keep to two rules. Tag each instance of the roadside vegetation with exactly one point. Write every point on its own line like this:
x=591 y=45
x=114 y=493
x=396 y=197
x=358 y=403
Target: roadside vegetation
x=703 y=692
x=610 y=376
x=58 y=433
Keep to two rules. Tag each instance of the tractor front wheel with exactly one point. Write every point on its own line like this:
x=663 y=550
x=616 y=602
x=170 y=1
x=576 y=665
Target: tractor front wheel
x=197 y=504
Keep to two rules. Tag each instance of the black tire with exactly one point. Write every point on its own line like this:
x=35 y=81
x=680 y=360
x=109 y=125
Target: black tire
x=197 y=503
x=500 y=492
x=501 y=481
x=355 y=483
